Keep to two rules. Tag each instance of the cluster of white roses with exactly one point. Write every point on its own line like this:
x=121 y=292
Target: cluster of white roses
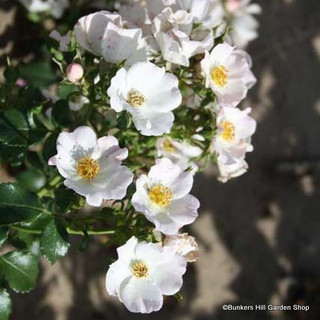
x=144 y=35
x=144 y=271
x=210 y=13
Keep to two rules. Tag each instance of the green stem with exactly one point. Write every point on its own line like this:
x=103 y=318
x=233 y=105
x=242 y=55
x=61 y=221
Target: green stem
x=50 y=185
x=69 y=230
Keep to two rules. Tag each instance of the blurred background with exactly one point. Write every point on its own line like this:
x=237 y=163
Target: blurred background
x=259 y=234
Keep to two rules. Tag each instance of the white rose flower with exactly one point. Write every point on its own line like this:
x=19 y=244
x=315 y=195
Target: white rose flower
x=143 y=273
x=231 y=170
x=209 y=13
x=55 y=7
x=154 y=7
x=92 y=167
x=163 y=197
x=227 y=72
x=184 y=245
x=149 y=94
x=244 y=25
x=63 y=40
x=103 y=34
x=174 y=35
x=234 y=132
x=179 y=153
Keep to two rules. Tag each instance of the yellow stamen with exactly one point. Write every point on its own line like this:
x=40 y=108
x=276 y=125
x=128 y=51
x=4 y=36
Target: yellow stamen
x=228 y=132
x=87 y=168
x=140 y=270
x=219 y=76
x=168 y=146
x=161 y=195
x=136 y=99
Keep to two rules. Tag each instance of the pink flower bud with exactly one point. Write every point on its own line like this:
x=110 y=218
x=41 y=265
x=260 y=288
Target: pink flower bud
x=74 y=72
x=233 y=5
x=184 y=245
x=21 y=82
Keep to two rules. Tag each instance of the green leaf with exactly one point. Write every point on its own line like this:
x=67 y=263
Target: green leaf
x=31 y=179
x=14 y=155
x=13 y=128
x=26 y=241
x=61 y=113
x=66 y=89
x=3 y=235
x=20 y=269
x=11 y=74
x=64 y=199
x=39 y=73
x=17 y=204
x=124 y=120
x=54 y=241
x=49 y=148
x=5 y=304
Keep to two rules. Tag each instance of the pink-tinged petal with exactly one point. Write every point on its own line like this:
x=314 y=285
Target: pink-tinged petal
x=52 y=161
x=109 y=147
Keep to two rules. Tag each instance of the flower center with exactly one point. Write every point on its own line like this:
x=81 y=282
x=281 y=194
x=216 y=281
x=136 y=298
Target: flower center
x=219 y=76
x=161 y=195
x=168 y=146
x=87 y=168
x=140 y=270
x=136 y=99
x=228 y=132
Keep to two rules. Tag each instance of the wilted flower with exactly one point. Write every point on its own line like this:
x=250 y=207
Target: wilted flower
x=92 y=167
x=143 y=273
x=149 y=94
x=227 y=72
x=184 y=245
x=235 y=168
x=163 y=197
x=180 y=153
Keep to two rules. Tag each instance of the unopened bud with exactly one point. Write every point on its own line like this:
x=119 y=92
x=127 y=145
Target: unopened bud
x=74 y=72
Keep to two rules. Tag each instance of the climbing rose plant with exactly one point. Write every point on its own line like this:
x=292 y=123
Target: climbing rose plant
x=144 y=99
